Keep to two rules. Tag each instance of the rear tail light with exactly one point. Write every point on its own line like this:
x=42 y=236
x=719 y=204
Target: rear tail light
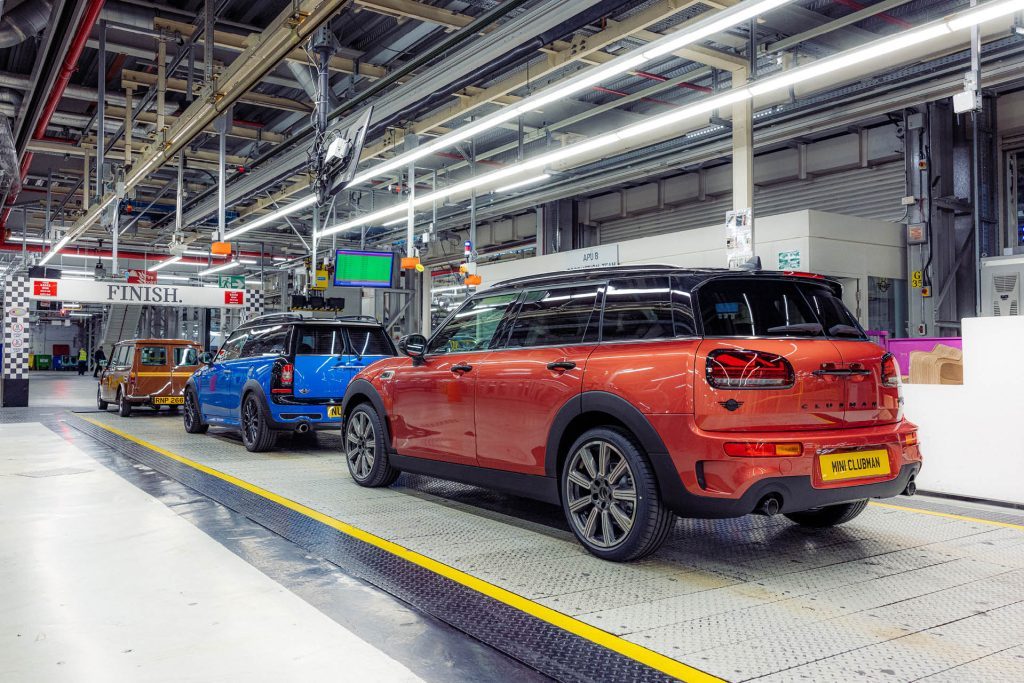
x=760 y=449
x=733 y=369
x=890 y=371
x=283 y=378
x=909 y=439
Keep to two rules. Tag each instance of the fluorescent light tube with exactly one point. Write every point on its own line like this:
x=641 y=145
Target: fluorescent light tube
x=217 y=269
x=558 y=91
x=523 y=183
x=173 y=259
x=874 y=49
x=173 y=278
x=299 y=205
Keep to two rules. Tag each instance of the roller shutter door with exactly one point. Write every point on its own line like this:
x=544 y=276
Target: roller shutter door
x=873 y=193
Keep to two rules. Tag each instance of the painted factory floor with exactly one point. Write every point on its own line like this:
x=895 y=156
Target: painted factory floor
x=914 y=589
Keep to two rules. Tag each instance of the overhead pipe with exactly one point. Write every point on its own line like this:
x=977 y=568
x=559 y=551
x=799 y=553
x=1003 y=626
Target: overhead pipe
x=24 y=21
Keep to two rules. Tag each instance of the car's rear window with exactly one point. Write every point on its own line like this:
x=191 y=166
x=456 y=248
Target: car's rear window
x=740 y=307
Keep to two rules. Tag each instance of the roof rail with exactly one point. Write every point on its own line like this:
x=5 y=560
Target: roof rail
x=270 y=317
x=363 y=318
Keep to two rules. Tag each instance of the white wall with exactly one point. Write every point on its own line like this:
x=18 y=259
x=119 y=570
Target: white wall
x=45 y=335
x=829 y=243
x=970 y=434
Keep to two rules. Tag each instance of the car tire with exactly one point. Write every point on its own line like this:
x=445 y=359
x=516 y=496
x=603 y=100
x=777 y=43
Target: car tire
x=124 y=408
x=365 y=450
x=828 y=516
x=257 y=436
x=193 y=417
x=100 y=403
x=610 y=496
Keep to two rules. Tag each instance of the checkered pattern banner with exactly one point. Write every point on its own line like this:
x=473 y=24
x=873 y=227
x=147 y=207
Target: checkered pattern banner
x=253 y=304
x=16 y=327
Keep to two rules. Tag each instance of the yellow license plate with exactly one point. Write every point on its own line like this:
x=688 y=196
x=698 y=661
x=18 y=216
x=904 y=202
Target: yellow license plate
x=333 y=411
x=168 y=400
x=854 y=465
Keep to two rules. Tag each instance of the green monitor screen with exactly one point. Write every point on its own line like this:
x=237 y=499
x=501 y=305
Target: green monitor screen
x=363 y=268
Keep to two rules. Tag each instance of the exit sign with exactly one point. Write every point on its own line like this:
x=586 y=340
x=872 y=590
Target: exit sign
x=231 y=281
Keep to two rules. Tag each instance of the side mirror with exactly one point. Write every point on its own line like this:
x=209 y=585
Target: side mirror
x=206 y=358
x=414 y=346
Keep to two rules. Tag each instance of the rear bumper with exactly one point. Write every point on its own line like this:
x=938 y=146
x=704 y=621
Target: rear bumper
x=289 y=417
x=698 y=479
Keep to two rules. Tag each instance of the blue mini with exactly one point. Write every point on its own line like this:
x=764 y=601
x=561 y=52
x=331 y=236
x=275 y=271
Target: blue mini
x=282 y=372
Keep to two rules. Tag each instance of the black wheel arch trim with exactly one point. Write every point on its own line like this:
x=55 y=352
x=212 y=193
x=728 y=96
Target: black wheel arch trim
x=669 y=484
x=363 y=389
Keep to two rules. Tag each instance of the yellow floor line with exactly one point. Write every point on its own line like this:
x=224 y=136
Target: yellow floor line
x=948 y=515
x=655 y=660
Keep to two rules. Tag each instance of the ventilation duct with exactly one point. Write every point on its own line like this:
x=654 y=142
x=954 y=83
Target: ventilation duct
x=10 y=178
x=24 y=21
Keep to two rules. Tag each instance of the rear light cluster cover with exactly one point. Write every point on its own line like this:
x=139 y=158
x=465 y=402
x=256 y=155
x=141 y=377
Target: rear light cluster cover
x=735 y=369
x=283 y=378
x=890 y=371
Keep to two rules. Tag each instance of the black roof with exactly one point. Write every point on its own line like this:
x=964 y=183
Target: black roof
x=691 y=277
x=300 y=317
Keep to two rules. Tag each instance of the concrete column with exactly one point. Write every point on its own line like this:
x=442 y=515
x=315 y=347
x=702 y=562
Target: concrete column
x=742 y=148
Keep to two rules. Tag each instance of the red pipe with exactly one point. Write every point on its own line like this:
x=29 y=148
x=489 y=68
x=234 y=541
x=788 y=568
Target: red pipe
x=67 y=68
x=14 y=245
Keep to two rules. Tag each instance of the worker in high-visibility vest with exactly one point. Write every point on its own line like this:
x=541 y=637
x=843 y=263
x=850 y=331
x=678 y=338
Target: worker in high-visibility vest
x=83 y=360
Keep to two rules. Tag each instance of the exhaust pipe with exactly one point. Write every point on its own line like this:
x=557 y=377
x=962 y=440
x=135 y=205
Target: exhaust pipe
x=911 y=488
x=769 y=506
x=302 y=428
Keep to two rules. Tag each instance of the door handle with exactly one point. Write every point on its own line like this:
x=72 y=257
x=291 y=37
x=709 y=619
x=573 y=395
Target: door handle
x=462 y=367
x=562 y=365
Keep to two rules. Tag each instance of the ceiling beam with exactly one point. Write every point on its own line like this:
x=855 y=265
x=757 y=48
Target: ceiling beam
x=291 y=28
x=130 y=77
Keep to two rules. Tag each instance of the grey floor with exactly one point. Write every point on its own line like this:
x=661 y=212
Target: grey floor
x=895 y=595
x=98 y=583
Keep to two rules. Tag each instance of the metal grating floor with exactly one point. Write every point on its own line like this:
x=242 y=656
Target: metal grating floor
x=894 y=595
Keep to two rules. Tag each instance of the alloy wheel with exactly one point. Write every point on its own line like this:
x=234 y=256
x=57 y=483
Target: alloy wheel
x=360 y=444
x=601 y=494
x=250 y=420
x=191 y=413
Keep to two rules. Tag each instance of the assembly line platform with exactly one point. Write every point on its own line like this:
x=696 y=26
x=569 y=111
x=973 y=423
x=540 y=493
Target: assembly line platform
x=912 y=589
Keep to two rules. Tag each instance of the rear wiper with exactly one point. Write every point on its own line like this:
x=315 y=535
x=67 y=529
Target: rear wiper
x=808 y=329
x=844 y=331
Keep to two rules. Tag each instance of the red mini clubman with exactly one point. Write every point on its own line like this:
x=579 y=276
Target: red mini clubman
x=627 y=395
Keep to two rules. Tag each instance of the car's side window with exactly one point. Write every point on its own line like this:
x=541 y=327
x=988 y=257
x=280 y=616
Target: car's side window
x=267 y=341
x=368 y=341
x=319 y=340
x=232 y=348
x=682 y=310
x=473 y=326
x=555 y=317
x=153 y=355
x=637 y=308
x=124 y=358
x=185 y=355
